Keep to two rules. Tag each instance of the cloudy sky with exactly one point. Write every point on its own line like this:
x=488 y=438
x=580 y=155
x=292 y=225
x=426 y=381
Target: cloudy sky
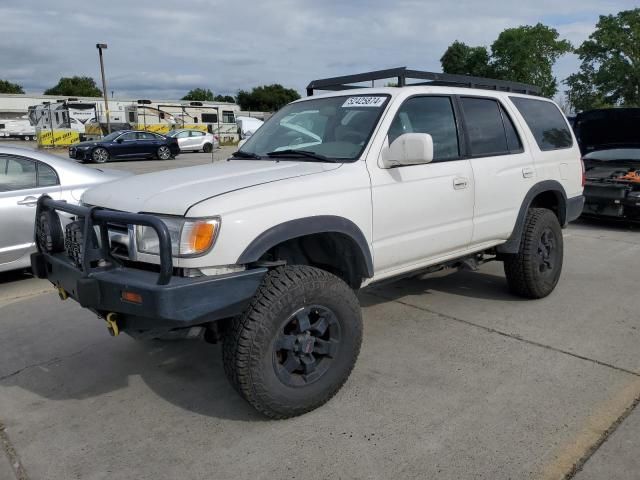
x=161 y=48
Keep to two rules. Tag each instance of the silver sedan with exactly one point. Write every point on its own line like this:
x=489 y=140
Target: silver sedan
x=194 y=140
x=25 y=175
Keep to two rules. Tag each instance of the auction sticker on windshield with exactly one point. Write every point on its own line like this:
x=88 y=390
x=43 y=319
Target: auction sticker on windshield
x=364 y=102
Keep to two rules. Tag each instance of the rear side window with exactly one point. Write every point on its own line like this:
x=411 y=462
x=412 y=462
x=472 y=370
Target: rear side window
x=432 y=115
x=547 y=124
x=489 y=128
x=17 y=174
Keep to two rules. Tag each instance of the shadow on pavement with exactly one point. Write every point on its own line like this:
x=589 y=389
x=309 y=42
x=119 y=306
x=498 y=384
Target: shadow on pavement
x=462 y=283
x=15 y=276
x=66 y=353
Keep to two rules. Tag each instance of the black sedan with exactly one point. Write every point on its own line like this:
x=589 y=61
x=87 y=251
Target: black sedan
x=126 y=144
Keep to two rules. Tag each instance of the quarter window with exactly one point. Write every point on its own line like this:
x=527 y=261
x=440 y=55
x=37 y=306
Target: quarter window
x=432 y=115
x=47 y=176
x=547 y=124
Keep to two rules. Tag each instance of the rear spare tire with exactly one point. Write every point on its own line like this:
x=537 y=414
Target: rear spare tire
x=297 y=342
x=535 y=270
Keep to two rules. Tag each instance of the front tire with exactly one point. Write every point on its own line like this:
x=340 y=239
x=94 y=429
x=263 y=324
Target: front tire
x=535 y=270
x=100 y=155
x=296 y=344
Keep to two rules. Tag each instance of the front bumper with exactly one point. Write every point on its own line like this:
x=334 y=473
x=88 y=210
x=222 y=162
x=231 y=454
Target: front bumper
x=182 y=302
x=79 y=153
x=86 y=271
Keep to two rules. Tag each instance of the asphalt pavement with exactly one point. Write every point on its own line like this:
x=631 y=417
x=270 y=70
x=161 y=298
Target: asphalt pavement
x=457 y=379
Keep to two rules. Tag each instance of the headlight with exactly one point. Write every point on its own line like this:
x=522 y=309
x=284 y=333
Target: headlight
x=188 y=236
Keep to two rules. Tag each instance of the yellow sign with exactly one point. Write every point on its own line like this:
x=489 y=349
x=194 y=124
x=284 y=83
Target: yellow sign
x=62 y=137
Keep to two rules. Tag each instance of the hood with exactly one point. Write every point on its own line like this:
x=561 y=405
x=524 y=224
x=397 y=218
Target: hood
x=173 y=192
x=608 y=128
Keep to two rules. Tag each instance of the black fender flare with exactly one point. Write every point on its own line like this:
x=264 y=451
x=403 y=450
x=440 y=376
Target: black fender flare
x=513 y=244
x=307 y=226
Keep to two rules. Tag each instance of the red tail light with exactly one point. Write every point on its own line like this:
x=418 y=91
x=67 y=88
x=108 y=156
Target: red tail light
x=584 y=173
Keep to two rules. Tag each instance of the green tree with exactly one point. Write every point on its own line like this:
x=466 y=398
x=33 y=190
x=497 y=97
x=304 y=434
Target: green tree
x=75 y=86
x=609 y=74
x=224 y=98
x=522 y=54
x=527 y=54
x=267 y=98
x=8 y=87
x=199 y=95
x=462 y=59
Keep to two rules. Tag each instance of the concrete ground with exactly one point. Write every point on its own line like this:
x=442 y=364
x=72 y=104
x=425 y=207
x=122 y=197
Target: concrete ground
x=456 y=380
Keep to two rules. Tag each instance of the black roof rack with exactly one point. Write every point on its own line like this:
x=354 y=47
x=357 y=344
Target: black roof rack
x=402 y=74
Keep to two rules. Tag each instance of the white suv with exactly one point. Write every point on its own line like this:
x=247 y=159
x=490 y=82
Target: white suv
x=334 y=192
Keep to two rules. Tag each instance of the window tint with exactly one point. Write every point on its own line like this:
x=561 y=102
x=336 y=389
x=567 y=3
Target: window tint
x=146 y=136
x=47 y=176
x=483 y=121
x=128 y=136
x=17 y=174
x=513 y=140
x=210 y=117
x=546 y=122
x=432 y=115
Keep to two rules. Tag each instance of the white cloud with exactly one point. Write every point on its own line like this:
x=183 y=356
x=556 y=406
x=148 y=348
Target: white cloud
x=164 y=48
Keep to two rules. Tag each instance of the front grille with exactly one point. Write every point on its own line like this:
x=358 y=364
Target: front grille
x=121 y=241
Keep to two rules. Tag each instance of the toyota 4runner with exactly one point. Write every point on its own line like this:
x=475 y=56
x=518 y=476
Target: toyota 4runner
x=335 y=192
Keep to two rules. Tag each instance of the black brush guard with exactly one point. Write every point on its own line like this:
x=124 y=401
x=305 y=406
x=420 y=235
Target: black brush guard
x=97 y=280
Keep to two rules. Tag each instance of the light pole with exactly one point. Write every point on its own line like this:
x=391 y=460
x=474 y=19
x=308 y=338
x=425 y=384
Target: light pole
x=100 y=47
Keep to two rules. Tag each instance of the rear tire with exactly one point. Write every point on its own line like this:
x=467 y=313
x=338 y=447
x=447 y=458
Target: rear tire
x=535 y=270
x=100 y=155
x=207 y=148
x=296 y=344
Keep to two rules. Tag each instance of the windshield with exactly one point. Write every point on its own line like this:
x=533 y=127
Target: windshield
x=614 y=154
x=111 y=137
x=336 y=128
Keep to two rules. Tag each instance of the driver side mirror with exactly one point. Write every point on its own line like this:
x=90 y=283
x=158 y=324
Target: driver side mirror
x=408 y=149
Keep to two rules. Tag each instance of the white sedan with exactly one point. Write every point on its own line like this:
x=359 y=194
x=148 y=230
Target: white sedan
x=194 y=140
x=25 y=175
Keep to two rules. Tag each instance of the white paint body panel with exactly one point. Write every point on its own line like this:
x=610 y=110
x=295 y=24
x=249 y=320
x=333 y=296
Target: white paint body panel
x=411 y=216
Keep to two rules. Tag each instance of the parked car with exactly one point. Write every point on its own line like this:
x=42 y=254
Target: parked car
x=610 y=143
x=125 y=144
x=194 y=140
x=25 y=175
x=333 y=193
x=247 y=126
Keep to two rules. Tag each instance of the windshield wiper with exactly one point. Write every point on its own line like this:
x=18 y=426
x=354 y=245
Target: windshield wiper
x=300 y=153
x=241 y=154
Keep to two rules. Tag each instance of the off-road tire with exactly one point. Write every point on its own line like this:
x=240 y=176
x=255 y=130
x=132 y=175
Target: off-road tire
x=249 y=345
x=208 y=148
x=528 y=275
x=99 y=155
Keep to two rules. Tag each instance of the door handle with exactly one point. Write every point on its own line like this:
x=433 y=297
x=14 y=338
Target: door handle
x=29 y=201
x=528 y=172
x=460 y=183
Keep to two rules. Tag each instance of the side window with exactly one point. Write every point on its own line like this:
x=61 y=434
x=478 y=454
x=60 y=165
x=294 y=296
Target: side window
x=483 y=122
x=146 y=136
x=432 y=115
x=184 y=134
x=17 y=174
x=128 y=136
x=132 y=117
x=228 y=117
x=210 y=117
x=547 y=124
x=197 y=133
x=47 y=176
